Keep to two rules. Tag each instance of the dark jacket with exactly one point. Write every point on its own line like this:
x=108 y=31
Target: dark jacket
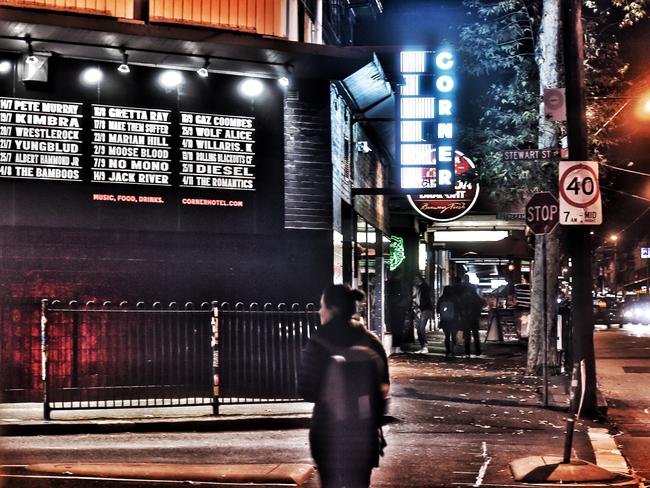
x=451 y=293
x=425 y=297
x=472 y=306
x=348 y=446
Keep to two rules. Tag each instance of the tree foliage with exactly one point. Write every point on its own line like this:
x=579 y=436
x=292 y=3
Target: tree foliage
x=500 y=44
x=512 y=45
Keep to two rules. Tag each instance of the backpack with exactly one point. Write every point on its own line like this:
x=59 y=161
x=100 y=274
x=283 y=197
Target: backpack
x=447 y=310
x=351 y=391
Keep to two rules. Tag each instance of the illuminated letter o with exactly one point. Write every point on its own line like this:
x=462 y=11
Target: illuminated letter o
x=445 y=83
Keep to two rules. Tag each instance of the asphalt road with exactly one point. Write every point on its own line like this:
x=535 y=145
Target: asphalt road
x=458 y=423
x=623 y=369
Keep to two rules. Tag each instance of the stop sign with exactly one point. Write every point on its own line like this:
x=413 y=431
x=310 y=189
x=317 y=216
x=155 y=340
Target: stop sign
x=542 y=213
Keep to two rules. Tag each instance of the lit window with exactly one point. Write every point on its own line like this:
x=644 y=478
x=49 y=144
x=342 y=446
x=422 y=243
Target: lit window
x=418 y=108
x=416 y=154
x=411 y=86
x=413 y=61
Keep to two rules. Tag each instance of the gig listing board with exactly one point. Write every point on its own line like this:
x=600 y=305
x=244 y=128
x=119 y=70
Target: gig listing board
x=40 y=140
x=128 y=145
x=131 y=145
x=217 y=151
x=128 y=152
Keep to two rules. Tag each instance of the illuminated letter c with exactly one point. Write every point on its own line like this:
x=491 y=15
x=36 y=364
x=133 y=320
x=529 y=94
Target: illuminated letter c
x=444 y=60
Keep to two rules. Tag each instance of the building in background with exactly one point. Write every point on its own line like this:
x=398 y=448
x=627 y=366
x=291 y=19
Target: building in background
x=179 y=151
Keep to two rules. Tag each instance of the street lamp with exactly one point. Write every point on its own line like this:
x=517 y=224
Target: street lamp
x=614 y=239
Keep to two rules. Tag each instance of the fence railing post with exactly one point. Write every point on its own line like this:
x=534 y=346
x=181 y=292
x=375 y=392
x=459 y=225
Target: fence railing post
x=215 y=359
x=45 y=375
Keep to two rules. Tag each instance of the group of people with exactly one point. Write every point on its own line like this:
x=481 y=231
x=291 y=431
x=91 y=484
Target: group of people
x=459 y=308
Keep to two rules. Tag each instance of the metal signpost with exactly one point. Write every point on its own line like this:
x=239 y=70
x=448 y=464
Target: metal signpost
x=645 y=254
x=542 y=215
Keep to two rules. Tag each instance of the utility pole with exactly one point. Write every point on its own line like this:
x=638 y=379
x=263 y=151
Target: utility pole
x=579 y=243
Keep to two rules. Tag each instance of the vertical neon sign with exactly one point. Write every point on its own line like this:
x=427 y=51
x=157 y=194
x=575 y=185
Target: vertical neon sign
x=426 y=121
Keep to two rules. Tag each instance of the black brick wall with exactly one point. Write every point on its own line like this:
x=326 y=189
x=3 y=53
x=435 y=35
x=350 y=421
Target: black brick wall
x=308 y=164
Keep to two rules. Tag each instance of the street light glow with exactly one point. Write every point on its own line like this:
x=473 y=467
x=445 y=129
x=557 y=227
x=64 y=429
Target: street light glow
x=613 y=237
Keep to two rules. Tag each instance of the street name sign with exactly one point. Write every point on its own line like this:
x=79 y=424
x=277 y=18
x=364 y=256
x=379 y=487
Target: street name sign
x=542 y=213
x=551 y=153
x=580 y=202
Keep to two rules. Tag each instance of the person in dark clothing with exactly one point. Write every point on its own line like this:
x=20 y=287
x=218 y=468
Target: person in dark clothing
x=472 y=305
x=449 y=307
x=346 y=450
x=398 y=299
x=422 y=310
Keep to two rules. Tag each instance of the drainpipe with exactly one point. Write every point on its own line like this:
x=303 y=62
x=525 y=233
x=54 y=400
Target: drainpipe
x=292 y=20
x=319 y=23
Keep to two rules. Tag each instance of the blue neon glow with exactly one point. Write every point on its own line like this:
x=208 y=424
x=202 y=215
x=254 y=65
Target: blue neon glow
x=426 y=120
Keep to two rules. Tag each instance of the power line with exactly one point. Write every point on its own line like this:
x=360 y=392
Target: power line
x=635 y=220
x=624 y=169
x=625 y=193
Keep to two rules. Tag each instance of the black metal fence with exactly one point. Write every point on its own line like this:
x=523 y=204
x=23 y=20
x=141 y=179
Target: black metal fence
x=103 y=356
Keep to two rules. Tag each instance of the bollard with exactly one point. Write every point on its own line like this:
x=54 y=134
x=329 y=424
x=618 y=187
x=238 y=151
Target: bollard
x=215 y=359
x=45 y=360
x=573 y=412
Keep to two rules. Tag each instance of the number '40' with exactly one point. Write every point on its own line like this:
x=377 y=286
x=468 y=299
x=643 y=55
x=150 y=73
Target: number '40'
x=585 y=186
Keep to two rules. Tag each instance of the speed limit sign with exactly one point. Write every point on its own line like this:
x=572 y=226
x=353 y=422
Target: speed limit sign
x=579 y=193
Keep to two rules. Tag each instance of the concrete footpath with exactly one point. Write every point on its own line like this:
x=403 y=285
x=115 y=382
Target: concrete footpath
x=453 y=422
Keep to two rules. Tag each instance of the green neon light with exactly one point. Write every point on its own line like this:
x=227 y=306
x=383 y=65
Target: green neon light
x=397 y=254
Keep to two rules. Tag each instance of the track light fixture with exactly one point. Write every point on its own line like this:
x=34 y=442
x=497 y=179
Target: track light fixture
x=30 y=59
x=124 y=67
x=285 y=80
x=203 y=71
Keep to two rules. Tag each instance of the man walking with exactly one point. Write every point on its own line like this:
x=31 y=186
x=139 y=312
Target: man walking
x=471 y=311
x=397 y=302
x=422 y=310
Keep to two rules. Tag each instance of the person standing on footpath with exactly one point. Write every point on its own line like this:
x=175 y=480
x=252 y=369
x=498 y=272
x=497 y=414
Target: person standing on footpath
x=397 y=302
x=448 y=308
x=422 y=310
x=471 y=312
x=344 y=371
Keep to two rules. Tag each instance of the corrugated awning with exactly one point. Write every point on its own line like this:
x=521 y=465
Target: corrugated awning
x=184 y=47
x=373 y=101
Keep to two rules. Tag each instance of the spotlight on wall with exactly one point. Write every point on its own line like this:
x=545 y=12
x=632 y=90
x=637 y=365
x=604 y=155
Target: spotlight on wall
x=203 y=71
x=283 y=81
x=124 y=66
x=91 y=76
x=5 y=66
x=251 y=87
x=170 y=79
x=363 y=147
x=31 y=58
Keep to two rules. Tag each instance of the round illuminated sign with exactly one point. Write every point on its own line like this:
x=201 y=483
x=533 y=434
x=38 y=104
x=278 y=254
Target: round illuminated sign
x=447 y=207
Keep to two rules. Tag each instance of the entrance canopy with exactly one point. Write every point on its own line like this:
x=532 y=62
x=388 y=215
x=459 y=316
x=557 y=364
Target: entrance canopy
x=508 y=248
